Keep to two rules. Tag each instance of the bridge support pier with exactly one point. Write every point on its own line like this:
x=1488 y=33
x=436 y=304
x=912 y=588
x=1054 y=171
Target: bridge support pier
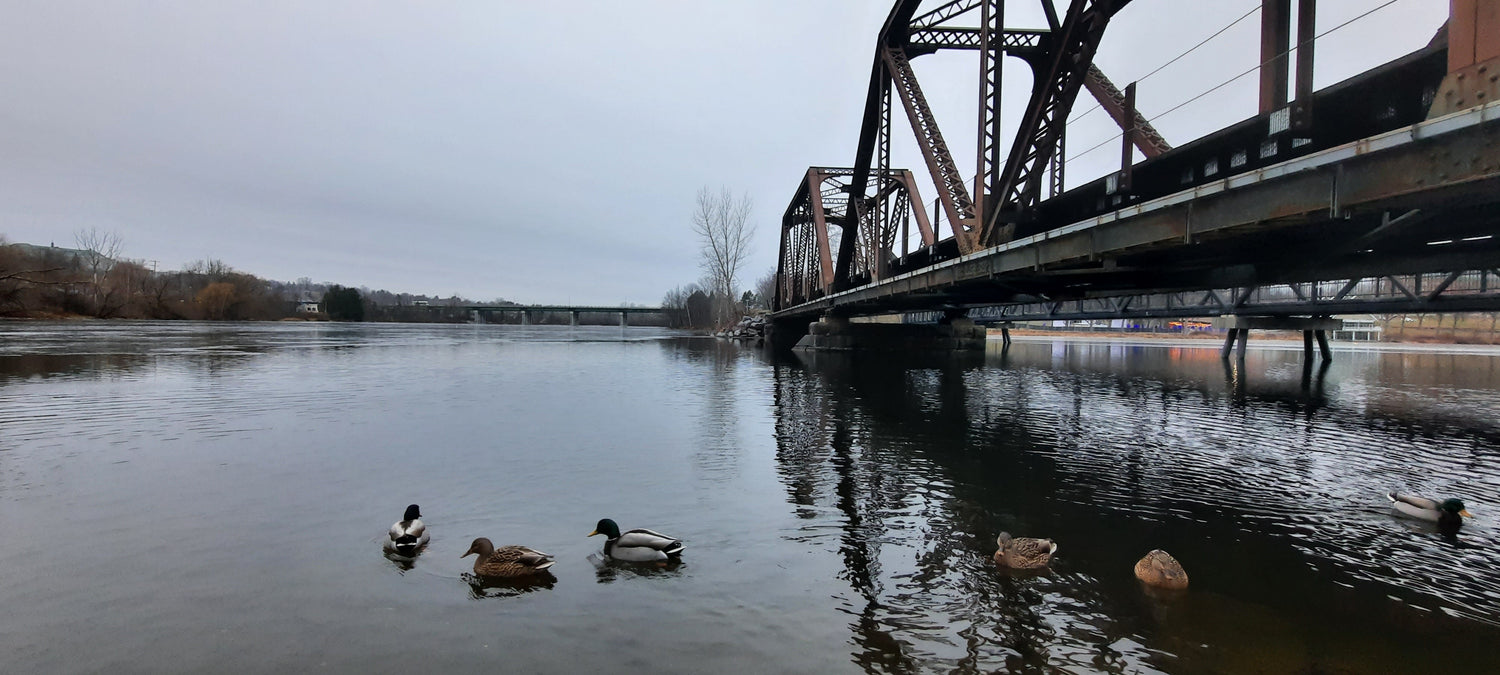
x=1237 y=328
x=573 y=319
x=623 y=321
x=836 y=333
x=525 y=318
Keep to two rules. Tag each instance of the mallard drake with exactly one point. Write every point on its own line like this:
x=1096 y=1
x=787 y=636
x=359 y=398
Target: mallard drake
x=408 y=534
x=637 y=545
x=1023 y=553
x=1158 y=568
x=1448 y=514
x=506 y=561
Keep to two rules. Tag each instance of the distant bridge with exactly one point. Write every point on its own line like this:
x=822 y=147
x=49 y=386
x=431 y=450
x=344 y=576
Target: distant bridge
x=1380 y=193
x=573 y=311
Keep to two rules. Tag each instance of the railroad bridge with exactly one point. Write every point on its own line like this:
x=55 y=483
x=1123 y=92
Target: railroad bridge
x=1380 y=193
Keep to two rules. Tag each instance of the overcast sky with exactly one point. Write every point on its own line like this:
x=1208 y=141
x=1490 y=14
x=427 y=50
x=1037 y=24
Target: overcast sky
x=537 y=152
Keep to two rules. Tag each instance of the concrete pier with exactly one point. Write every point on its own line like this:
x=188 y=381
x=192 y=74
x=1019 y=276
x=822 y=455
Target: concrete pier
x=833 y=333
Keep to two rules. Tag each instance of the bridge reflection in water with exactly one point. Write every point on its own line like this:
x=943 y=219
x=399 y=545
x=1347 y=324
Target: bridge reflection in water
x=1269 y=488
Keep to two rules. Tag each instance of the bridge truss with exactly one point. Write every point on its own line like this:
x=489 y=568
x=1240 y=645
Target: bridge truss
x=1359 y=181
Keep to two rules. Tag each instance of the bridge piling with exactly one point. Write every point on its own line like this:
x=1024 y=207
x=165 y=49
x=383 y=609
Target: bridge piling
x=573 y=318
x=525 y=318
x=623 y=321
x=1322 y=336
x=1229 y=337
x=1312 y=328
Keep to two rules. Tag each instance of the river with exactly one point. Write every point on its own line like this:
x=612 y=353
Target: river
x=187 y=497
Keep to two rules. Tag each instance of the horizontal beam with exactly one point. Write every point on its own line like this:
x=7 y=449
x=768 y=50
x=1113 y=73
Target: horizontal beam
x=1460 y=291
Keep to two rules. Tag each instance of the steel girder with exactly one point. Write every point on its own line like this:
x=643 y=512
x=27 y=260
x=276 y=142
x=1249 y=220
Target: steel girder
x=805 y=269
x=1112 y=100
x=1052 y=96
x=1059 y=58
x=1453 y=291
x=1341 y=213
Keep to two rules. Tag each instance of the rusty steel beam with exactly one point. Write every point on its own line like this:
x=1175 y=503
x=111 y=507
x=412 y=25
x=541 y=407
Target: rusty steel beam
x=1112 y=100
x=919 y=210
x=820 y=225
x=943 y=13
x=894 y=32
x=945 y=175
x=1307 y=33
x=991 y=56
x=1275 y=40
x=1019 y=42
x=1473 y=35
x=1052 y=97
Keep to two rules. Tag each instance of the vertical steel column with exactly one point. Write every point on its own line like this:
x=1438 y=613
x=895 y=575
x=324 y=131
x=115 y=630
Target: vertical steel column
x=777 y=300
x=1127 y=142
x=991 y=56
x=1275 y=36
x=1307 y=33
x=1059 y=163
x=883 y=169
x=820 y=228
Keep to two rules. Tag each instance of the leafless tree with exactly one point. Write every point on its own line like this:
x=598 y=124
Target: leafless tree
x=99 y=251
x=722 y=224
x=765 y=288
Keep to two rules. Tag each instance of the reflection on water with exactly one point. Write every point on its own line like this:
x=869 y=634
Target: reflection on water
x=485 y=588
x=840 y=510
x=1266 y=479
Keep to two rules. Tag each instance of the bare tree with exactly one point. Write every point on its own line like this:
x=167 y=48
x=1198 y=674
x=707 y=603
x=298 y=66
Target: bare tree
x=99 y=251
x=765 y=288
x=722 y=224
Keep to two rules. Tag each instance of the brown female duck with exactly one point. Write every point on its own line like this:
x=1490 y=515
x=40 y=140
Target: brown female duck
x=1024 y=553
x=506 y=561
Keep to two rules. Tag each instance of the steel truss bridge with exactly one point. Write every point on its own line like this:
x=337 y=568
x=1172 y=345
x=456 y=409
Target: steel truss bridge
x=1380 y=193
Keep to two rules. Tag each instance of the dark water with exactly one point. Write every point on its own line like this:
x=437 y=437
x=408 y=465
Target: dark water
x=189 y=498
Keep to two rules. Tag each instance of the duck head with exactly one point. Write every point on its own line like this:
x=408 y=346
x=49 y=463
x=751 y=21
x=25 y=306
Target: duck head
x=412 y=513
x=1003 y=540
x=608 y=528
x=481 y=546
x=1455 y=506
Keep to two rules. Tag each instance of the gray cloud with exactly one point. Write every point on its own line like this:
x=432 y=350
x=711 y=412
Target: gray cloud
x=535 y=152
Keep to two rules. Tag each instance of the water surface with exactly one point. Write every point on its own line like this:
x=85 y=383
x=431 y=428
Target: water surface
x=187 y=497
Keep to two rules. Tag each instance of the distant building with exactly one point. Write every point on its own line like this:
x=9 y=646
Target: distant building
x=1362 y=328
x=307 y=304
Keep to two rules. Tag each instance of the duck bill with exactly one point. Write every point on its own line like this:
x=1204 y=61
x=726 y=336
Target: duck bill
x=467 y=554
x=1465 y=513
x=593 y=533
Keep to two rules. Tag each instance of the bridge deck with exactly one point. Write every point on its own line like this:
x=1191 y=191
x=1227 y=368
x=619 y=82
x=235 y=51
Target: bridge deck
x=1420 y=199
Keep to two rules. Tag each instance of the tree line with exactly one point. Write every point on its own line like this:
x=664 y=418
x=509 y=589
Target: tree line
x=93 y=279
